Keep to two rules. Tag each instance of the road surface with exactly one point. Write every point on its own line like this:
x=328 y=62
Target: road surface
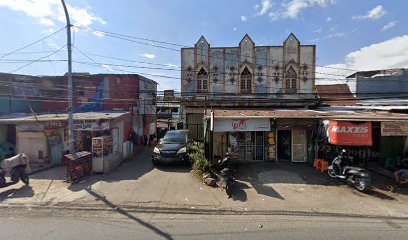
x=23 y=223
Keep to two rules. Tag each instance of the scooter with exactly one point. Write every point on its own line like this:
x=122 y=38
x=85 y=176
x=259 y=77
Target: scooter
x=17 y=173
x=16 y=166
x=359 y=178
x=223 y=175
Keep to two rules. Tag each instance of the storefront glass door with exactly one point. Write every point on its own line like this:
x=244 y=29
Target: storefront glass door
x=250 y=146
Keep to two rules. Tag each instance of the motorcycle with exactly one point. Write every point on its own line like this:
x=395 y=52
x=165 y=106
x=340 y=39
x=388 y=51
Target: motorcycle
x=359 y=178
x=17 y=167
x=223 y=176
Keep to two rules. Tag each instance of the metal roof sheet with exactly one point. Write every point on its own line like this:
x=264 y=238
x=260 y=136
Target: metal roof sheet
x=302 y=113
x=24 y=117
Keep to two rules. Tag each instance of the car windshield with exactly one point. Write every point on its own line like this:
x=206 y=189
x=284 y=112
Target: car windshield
x=174 y=137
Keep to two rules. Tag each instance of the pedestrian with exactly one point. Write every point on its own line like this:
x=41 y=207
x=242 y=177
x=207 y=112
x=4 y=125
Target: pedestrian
x=401 y=176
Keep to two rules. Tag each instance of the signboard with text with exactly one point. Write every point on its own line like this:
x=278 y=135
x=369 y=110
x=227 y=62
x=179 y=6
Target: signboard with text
x=242 y=125
x=350 y=134
x=394 y=129
x=90 y=125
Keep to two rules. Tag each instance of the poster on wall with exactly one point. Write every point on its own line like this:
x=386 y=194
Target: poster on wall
x=350 y=134
x=394 y=128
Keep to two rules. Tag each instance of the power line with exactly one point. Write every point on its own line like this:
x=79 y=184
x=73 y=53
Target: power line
x=28 y=64
x=130 y=38
x=29 y=45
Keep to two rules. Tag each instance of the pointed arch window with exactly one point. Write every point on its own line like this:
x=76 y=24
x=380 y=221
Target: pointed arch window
x=246 y=81
x=202 y=80
x=291 y=80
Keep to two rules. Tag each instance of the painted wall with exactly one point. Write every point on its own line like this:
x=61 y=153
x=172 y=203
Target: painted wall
x=383 y=86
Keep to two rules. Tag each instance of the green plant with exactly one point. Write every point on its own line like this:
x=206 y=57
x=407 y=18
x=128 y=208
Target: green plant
x=201 y=166
x=195 y=149
x=199 y=163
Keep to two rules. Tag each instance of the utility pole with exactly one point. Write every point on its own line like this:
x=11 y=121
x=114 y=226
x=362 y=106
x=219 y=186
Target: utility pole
x=70 y=92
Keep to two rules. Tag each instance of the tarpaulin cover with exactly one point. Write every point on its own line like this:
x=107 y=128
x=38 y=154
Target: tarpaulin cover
x=96 y=103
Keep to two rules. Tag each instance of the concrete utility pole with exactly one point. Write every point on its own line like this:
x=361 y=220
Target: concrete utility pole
x=70 y=92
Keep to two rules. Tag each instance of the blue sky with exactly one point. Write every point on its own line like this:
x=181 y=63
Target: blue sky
x=349 y=34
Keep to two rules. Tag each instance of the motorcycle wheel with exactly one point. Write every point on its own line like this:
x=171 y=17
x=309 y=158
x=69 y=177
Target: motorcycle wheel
x=24 y=178
x=360 y=185
x=331 y=173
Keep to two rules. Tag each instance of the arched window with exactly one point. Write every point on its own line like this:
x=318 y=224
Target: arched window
x=202 y=80
x=291 y=80
x=246 y=81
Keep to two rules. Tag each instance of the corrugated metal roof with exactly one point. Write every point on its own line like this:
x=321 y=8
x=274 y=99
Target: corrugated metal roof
x=336 y=95
x=313 y=114
x=24 y=117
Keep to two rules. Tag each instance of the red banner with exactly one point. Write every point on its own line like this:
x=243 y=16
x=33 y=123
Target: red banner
x=350 y=134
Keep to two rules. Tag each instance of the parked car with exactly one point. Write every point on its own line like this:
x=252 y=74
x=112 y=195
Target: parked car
x=172 y=148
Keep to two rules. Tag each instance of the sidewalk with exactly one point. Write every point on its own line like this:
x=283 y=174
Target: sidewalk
x=260 y=188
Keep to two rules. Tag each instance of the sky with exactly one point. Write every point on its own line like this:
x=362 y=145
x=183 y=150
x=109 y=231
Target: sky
x=145 y=36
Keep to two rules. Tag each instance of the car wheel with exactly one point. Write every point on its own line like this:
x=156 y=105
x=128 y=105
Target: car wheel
x=154 y=162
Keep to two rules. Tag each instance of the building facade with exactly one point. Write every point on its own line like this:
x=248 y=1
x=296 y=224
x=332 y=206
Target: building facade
x=380 y=87
x=245 y=76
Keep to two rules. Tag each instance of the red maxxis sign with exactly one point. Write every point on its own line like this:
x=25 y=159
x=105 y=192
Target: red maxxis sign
x=350 y=134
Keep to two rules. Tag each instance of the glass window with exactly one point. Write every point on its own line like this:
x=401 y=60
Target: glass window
x=202 y=80
x=246 y=81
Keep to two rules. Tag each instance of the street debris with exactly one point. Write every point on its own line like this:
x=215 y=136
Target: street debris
x=260 y=226
x=209 y=181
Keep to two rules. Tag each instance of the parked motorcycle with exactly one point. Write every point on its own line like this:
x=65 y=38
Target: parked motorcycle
x=223 y=175
x=341 y=168
x=17 y=167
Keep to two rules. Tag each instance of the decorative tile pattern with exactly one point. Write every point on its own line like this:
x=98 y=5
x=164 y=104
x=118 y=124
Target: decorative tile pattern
x=232 y=80
x=189 y=74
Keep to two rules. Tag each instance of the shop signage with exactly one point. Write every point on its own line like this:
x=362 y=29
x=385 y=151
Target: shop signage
x=350 y=134
x=54 y=124
x=242 y=125
x=90 y=125
x=394 y=129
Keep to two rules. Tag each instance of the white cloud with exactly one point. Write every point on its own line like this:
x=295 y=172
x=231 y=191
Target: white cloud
x=319 y=30
x=373 y=14
x=328 y=19
x=48 y=11
x=266 y=5
x=243 y=18
x=149 y=55
x=171 y=65
x=293 y=8
x=389 y=25
x=392 y=53
x=47 y=22
x=234 y=29
x=336 y=34
x=106 y=66
x=314 y=40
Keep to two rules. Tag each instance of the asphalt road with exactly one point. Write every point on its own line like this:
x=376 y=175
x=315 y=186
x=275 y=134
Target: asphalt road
x=59 y=224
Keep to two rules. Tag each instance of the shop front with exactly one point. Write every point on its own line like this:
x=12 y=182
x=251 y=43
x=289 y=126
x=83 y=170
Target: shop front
x=354 y=136
x=260 y=138
x=393 y=149
x=45 y=138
